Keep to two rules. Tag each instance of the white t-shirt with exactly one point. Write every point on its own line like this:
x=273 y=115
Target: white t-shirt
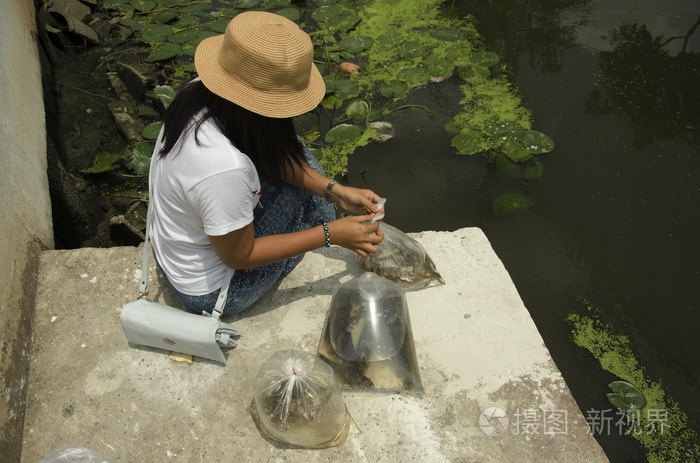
x=199 y=190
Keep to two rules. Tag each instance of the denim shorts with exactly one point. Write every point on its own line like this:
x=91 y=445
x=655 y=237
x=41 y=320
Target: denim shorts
x=288 y=211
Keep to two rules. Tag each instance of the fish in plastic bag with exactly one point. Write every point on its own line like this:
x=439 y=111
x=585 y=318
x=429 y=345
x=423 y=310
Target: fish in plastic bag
x=402 y=260
x=298 y=401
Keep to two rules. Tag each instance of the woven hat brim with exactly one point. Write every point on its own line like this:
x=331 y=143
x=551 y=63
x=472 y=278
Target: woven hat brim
x=268 y=103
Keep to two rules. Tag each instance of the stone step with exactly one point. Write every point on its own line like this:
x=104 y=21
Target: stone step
x=482 y=363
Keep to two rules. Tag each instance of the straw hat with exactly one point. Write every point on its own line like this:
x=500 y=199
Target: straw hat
x=264 y=63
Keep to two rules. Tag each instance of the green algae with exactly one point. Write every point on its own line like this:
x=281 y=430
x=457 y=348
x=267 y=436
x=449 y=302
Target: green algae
x=400 y=46
x=678 y=442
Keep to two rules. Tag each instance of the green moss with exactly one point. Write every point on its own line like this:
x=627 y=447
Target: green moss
x=678 y=442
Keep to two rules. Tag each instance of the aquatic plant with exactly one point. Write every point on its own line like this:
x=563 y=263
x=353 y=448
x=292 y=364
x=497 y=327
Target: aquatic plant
x=676 y=441
x=372 y=54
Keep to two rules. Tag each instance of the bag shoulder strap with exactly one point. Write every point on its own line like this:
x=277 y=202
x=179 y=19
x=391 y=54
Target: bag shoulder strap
x=143 y=285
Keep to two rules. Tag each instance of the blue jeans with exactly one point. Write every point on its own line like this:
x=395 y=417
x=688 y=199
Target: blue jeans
x=278 y=212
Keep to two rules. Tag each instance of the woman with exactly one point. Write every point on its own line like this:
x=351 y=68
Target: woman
x=234 y=186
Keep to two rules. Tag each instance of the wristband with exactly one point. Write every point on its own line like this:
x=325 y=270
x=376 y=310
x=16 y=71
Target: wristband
x=330 y=186
x=326 y=233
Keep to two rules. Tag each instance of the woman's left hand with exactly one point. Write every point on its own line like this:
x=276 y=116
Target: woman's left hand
x=355 y=200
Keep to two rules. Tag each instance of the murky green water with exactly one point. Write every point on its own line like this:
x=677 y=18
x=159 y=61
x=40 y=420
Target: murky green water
x=616 y=214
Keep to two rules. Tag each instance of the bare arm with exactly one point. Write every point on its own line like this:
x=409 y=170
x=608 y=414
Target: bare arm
x=240 y=249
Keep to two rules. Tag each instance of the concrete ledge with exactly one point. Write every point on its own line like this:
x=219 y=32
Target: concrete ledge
x=476 y=343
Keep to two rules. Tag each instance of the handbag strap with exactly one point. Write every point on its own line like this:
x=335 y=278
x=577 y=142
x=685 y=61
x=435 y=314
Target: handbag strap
x=143 y=286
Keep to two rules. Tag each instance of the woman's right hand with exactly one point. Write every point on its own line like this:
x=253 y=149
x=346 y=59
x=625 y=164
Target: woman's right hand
x=354 y=234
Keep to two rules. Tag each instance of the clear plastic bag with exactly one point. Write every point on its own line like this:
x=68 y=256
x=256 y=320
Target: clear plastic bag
x=402 y=260
x=367 y=336
x=74 y=454
x=298 y=401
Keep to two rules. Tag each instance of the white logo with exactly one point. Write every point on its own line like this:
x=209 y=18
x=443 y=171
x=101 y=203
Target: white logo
x=493 y=421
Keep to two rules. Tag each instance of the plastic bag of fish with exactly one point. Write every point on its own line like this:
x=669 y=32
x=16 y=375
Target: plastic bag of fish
x=298 y=401
x=402 y=260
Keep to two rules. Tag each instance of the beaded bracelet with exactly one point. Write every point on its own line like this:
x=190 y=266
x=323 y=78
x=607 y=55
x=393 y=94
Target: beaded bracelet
x=327 y=233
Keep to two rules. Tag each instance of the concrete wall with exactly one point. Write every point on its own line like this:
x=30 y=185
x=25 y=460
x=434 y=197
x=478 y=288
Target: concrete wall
x=25 y=209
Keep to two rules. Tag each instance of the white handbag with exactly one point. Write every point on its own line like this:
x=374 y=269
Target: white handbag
x=151 y=324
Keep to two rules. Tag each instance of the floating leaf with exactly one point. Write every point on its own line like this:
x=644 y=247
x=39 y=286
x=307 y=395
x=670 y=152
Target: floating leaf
x=327 y=14
x=356 y=44
x=393 y=88
x=247 y=3
x=135 y=24
x=446 y=33
x=151 y=131
x=167 y=51
x=157 y=34
x=357 y=109
x=163 y=17
x=517 y=152
x=469 y=143
x=219 y=25
x=343 y=133
x=143 y=5
x=536 y=142
x=310 y=137
x=439 y=67
x=342 y=88
x=139 y=158
x=626 y=396
x=164 y=93
x=484 y=59
x=104 y=162
x=411 y=49
x=507 y=130
x=413 y=76
x=185 y=21
x=510 y=203
x=332 y=101
x=290 y=13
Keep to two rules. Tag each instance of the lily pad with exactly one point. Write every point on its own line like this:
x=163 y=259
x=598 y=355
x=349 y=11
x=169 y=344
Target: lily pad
x=247 y=3
x=447 y=34
x=356 y=44
x=626 y=396
x=357 y=109
x=139 y=158
x=413 y=76
x=393 y=89
x=343 y=88
x=164 y=93
x=167 y=51
x=484 y=59
x=104 y=162
x=469 y=143
x=151 y=131
x=411 y=49
x=290 y=13
x=507 y=130
x=536 y=142
x=219 y=25
x=332 y=101
x=157 y=34
x=343 y=133
x=163 y=17
x=143 y=5
x=510 y=203
x=439 y=67
x=516 y=152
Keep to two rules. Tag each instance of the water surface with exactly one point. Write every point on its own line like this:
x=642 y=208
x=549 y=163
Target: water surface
x=616 y=217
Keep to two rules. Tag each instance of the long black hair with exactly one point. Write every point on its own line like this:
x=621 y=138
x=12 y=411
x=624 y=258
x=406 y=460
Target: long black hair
x=271 y=143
